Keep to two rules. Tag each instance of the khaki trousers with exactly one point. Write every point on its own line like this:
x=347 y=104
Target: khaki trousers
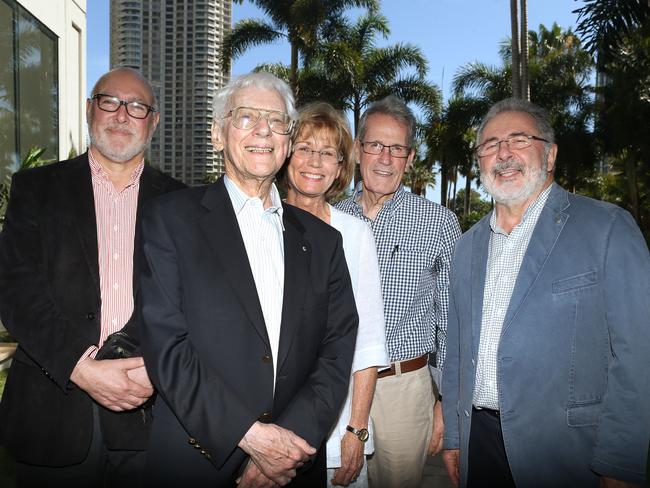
x=402 y=414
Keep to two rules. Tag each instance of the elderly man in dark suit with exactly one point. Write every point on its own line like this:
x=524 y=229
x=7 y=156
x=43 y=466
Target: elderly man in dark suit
x=248 y=313
x=66 y=285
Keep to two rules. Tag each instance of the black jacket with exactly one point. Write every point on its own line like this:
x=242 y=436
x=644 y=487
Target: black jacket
x=50 y=303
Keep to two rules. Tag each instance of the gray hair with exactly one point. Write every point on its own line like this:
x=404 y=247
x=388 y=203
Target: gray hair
x=539 y=115
x=393 y=107
x=261 y=80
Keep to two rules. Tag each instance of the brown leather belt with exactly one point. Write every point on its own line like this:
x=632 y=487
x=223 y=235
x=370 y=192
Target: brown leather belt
x=405 y=366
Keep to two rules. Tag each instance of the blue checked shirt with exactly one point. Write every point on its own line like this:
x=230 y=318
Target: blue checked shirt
x=415 y=241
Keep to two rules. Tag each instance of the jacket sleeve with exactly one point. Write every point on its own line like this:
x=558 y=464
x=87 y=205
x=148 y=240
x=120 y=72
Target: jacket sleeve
x=624 y=425
x=451 y=379
x=28 y=309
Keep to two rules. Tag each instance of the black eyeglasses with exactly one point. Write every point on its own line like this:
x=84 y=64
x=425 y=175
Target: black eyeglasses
x=520 y=141
x=396 y=150
x=109 y=103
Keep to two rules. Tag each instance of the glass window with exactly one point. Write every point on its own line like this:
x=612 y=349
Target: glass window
x=29 y=91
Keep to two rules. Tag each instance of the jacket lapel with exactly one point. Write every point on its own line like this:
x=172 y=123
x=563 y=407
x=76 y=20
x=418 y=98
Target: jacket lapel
x=80 y=190
x=549 y=225
x=480 y=246
x=220 y=228
x=150 y=186
x=297 y=257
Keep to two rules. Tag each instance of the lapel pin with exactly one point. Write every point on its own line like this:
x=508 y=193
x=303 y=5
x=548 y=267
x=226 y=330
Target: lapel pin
x=304 y=248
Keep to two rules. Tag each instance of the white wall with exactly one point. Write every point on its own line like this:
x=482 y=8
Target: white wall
x=67 y=19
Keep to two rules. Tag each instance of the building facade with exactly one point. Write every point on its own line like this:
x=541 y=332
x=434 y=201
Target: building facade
x=42 y=80
x=175 y=44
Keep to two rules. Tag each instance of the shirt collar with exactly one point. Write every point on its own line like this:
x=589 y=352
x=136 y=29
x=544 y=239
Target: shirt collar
x=239 y=199
x=389 y=204
x=97 y=170
x=532 y=211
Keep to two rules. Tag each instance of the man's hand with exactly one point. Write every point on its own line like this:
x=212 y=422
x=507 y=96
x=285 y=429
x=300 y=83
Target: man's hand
x=435 y=444
x=606 y=482
x=451 y=458
x=108 y=382
x=276 y=451
x=352 y=459
x=252 y=477
x=140 y=376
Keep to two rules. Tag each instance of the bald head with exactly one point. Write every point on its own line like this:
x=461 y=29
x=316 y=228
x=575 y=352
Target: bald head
x=128 y=75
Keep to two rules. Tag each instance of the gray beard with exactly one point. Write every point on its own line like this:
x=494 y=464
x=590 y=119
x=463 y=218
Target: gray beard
x=534 y=181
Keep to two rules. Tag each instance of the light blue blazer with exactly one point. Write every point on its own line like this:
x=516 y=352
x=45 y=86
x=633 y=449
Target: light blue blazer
x=574 y=355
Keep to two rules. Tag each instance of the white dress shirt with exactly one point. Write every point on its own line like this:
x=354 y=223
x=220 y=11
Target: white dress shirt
x=262 y=232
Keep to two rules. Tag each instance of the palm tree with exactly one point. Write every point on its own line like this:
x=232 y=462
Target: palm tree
x=350 y=71
x=560 y=71
x=519 y=49
x=298 y=21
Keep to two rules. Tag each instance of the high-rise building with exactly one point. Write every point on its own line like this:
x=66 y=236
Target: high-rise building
x=176 y=44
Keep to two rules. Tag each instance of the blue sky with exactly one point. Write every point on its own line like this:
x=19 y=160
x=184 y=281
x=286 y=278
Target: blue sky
x=450 y=33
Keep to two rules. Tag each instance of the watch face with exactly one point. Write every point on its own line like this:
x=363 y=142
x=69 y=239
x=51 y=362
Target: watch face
x=363 y=435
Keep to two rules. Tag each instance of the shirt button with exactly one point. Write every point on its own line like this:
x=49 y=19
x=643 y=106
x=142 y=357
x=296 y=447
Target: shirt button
x=114 y=321
x=115 y=227
x=115 y=286
x=116 y=256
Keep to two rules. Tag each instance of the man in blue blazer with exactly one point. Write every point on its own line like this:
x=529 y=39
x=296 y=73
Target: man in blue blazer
x=547 y=377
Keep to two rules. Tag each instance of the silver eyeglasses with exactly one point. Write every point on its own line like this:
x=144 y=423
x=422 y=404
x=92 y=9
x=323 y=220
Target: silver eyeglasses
x=327 y=156
x=396 y=150
x=248 y=117
x=520 y=141
x=109 y=103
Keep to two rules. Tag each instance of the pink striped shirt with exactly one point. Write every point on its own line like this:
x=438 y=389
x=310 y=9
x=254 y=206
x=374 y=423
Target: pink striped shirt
x=115 y=213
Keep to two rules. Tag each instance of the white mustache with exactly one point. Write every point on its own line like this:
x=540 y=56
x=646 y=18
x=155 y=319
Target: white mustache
x=507 y=165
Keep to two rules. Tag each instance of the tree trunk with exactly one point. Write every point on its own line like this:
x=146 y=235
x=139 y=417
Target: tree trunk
x=632 y=183
x=294 y=71
x=523 y=54
x=516 y=64
x=443 y=183
x=356 y=111
x=468 y=194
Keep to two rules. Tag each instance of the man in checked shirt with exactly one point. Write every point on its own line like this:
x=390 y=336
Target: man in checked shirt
x=415 y=240
x=66 y=284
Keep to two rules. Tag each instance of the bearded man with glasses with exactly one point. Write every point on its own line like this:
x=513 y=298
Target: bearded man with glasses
x=415 y=240
x=72 y=411
x=546 y=380
x=248 y=310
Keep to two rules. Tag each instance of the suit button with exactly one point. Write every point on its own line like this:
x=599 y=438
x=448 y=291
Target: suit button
x=266 y=417
x=267 y=359
x=191 y=440
x=90 y=316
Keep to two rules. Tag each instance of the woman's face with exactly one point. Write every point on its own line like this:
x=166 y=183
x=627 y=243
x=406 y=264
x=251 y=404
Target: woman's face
x=315 y=163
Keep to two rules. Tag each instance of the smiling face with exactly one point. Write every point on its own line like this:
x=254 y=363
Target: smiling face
x=516 y=177
x=116 y=136
x=382 y=173
x=252 y=156
x=309 y=175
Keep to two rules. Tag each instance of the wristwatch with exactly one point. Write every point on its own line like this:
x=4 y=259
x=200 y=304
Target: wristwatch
x=362 y=434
